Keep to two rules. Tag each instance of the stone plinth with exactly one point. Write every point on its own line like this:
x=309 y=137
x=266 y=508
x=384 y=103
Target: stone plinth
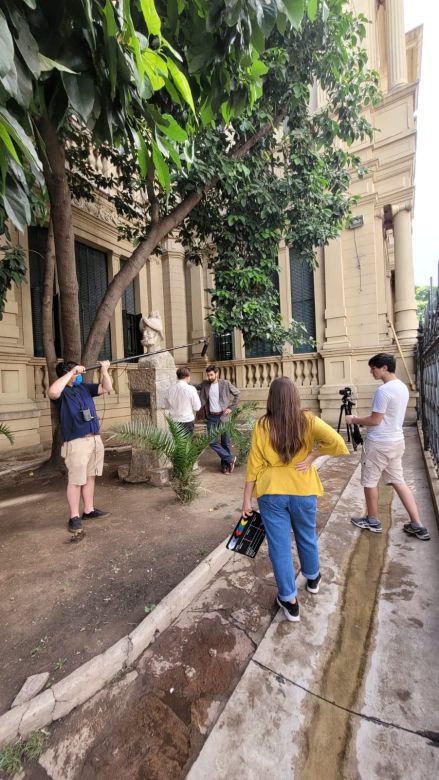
x=148 y=386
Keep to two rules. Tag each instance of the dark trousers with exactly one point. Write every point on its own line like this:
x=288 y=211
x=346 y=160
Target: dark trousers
x=222 y=449
x=189 y=427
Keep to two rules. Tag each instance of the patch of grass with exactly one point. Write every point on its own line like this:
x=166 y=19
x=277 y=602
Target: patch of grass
x=202 y=552
x=12 y=756
x=149 y=608
x=60 y=664
x=41 y=647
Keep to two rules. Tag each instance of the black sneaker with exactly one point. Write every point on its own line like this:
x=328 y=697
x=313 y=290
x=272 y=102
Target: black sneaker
x=94 y=514
x=74 y=525
x=368 y=523
x=417 y=530
x=291 y=611
x=313 y=585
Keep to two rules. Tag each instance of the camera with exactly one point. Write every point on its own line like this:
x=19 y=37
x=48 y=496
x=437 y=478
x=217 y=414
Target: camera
x=345 y=392
x=87 y=415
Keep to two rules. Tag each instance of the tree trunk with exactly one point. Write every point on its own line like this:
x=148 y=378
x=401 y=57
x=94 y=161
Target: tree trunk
x=49 y=345
x=54 y=165
x=46 y=305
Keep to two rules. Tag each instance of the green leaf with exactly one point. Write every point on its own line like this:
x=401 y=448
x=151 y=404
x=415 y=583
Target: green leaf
x=28 y=48
x=47 y=64
x=181 y=83
x=294 y=10
x=6 y=46
x=19 y=136
x=151 y=16
x=81 y=93
x=109 y=20
x=161 y=167
x=172 y=129
x=16 y=205
x=142 y=155
x=311 y=9
x=6 y=138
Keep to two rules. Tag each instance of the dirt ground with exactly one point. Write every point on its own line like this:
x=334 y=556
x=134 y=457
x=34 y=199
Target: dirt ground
x=63 y=603
x=152 y=720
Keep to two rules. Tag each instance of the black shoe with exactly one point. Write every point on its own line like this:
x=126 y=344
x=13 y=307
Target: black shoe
x=313 y=585
x=291 y=611
x=224 y=467
x=94 y=514
x=74 y=525
x=417 y=530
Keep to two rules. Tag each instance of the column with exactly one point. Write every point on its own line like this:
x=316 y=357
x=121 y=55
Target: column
x=174 y=283
x=198 y=309
x=336 y=335
x=395 y=42
x=406 y=321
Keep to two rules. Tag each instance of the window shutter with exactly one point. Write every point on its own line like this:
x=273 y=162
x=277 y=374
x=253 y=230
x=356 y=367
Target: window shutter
x=223 y=346
x=302 y=296
x=91 y=269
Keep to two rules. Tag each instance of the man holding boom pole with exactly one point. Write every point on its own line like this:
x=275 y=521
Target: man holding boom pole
x=83 y=449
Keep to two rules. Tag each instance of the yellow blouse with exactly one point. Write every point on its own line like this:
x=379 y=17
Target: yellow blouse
x=271 y=476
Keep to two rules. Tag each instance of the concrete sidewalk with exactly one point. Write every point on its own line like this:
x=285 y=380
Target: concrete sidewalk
x=352 y=690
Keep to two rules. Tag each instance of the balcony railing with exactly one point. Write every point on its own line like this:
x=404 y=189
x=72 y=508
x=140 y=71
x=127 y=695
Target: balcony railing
x=258 y=373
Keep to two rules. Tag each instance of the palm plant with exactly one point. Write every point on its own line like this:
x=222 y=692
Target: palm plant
x=180 y=449
x=4 y=431
x=240 y=428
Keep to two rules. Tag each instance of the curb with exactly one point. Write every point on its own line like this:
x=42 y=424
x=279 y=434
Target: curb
x=91 y=677
x=432 y=478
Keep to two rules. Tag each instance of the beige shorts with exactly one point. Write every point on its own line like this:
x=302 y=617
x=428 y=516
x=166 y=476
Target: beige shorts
x=84 y=458
x=381 y=458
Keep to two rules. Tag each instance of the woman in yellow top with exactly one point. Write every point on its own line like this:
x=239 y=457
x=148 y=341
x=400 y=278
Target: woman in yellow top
x=280 y=473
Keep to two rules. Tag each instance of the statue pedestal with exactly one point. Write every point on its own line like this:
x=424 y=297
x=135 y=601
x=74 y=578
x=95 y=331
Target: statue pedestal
x=148 y=386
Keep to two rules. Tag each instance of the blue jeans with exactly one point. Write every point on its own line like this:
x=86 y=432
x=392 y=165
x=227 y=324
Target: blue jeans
x=279 y=514
x=222 y=449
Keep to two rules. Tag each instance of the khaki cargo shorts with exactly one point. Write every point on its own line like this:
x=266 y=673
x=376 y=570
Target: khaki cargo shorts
x=382 y=458
x=84 y=458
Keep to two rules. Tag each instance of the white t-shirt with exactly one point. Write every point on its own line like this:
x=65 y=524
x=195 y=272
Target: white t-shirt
x=214 y=404
x=390 y=399
x=182 y=400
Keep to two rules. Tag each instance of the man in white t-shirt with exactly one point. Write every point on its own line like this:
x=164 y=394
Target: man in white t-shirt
x=384 y=448
x=182 y=400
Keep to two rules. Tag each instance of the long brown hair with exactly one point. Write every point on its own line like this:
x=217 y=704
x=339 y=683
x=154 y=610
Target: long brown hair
x=285 y=421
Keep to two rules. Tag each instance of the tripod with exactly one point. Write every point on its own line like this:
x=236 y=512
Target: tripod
x=352 y=431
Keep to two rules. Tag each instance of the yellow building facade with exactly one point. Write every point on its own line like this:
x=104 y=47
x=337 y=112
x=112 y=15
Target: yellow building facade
x=360 y=299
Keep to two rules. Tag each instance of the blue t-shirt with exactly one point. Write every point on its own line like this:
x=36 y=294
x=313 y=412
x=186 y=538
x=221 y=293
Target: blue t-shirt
x=69 y=405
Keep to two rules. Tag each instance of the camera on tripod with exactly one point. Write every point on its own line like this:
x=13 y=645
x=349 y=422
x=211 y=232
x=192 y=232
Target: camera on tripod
x=352 y=431
x=346 y=392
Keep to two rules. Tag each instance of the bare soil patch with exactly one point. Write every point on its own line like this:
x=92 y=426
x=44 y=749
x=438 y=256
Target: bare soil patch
x=63 y=603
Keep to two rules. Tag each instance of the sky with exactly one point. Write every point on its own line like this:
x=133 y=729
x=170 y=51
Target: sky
x=426 y=219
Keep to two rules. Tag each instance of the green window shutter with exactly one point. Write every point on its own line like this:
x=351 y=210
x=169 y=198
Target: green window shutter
x=223 y=346
x=302 y=295
x=91 y=269
x=130 y=322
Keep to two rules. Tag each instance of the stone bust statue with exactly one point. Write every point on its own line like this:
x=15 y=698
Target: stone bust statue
x=151 y=328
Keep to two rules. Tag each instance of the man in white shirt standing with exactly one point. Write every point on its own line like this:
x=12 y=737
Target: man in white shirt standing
x=183 y=401
x=384 y=448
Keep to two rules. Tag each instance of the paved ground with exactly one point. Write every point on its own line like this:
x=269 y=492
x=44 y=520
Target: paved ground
x=351 y=691
x=354 y=687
